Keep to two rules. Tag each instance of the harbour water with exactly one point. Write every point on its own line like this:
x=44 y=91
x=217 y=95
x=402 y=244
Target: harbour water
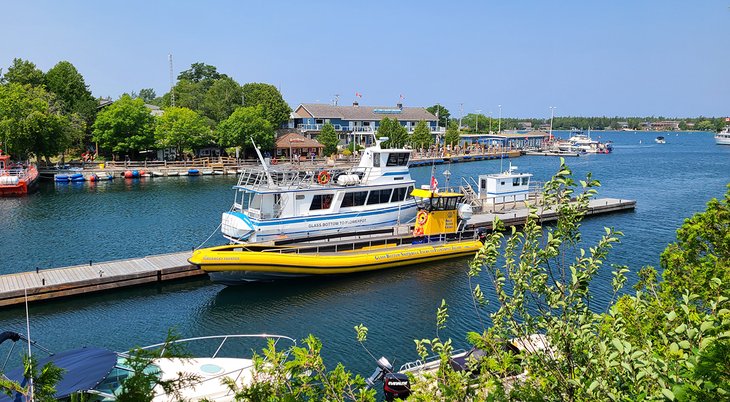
x=73 y=223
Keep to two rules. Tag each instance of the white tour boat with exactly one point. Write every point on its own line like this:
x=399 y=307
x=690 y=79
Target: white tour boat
x=280 y=202
x=723 y=137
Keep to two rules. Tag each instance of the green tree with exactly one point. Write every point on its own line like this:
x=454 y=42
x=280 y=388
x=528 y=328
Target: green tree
x=421 y=137
x=188 y=94
x=452 y=135
x=201 y=73
x=328 y=137
x=183 y=129
x=275 y=109
x=31 y=122
x=221 y=99
x=705 y=125
x=125 y=126
x=242 y=125
x=396 y=133
x=68 y=84
x=24 y=72
x=147 y=94
x=441 y=112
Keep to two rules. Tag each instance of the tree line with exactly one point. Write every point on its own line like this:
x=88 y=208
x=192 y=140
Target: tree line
x=43 y=114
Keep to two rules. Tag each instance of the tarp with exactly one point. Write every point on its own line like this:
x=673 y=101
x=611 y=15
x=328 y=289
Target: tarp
x=83 y=369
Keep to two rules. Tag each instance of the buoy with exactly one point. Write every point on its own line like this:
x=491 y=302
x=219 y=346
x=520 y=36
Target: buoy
x=135 y=173
x=77 y=177
x=141 y=173
x=62 y=178
x=128 y=174
x=93 y=177
x=193 y=172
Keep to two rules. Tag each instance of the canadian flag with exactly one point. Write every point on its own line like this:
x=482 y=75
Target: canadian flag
x=434 y=183
x=402 y=97
x=727 y=119
x=358 y=94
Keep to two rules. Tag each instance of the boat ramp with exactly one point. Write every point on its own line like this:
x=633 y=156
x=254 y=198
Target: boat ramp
x=50 y=284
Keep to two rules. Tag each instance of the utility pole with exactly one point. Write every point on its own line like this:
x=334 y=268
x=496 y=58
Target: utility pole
x=552 y=113
x=461 y=113
x=499 y=124
x=337 y=98
x=172 y=83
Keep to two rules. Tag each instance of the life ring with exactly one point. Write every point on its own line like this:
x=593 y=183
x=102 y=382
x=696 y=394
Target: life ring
x=418 y=231
x=274 y=161
x=323 y=177
x=422 y=218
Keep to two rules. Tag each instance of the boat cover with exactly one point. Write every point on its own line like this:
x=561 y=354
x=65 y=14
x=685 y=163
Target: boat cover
x=83 y=369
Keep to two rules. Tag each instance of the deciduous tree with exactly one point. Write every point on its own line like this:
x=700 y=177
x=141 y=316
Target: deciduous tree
x=125 y=126
x=275 y=109
x=221 y=99
x=441 y=112
x=452 y=135
x=183 y=129
x=396 y=133
x=69 y=85
x=242 y=125
x=328 y=137
x=421 y=137
x=24 y=72
x=147 y=94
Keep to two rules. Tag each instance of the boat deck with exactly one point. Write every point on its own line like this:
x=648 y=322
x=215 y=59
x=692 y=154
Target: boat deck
x=49 y=284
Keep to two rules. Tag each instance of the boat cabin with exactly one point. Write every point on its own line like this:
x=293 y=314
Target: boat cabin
x=500 y=188
x=438 y=213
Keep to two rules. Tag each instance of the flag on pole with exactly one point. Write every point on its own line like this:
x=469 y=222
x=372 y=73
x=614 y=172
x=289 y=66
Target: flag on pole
x=358 y=94
x=434 y=183
x=402 y=97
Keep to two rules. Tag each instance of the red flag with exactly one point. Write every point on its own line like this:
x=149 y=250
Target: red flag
x=434 y=183
x=727 y=119
x=402 y=97
x=358 y=94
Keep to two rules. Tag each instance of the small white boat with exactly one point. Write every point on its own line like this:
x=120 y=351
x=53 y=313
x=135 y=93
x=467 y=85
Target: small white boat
x=99 y=373
x=723 y=137
x=660 y=140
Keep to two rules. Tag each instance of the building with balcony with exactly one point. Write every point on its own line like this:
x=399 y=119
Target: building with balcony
x=356 y=122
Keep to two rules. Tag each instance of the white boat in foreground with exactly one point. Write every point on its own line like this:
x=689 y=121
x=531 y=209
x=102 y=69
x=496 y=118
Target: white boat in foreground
x=99 y=373
x=285 y=202
x=723 y=137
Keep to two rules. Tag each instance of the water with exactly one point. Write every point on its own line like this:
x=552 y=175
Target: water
x=71 y=224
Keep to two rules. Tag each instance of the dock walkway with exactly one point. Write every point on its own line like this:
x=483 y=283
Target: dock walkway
x=48 y=284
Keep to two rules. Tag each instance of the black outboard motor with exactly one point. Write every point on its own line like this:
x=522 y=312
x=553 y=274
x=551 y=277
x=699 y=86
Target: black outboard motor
x=395 y=385
x=482 y=234
x=10 y=335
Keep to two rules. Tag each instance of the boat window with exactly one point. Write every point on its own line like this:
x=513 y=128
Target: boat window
x=300 y=196
x=408 y=193
x=397 y=159
x=354 y=199
x=321 y=201
x=501 y=183
x=379 y=196
x=255 y=202
x=376 y=159
x=516 y=181
x=484 y=184
x=525 y=180
x=399 y=194
x=451 y=202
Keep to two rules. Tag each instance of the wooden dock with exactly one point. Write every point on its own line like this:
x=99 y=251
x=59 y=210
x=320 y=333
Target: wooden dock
x=48 y=284
x=60 y=282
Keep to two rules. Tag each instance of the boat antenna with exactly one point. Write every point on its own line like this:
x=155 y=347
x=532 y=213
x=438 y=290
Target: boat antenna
x=263 y=163
x=30 y=352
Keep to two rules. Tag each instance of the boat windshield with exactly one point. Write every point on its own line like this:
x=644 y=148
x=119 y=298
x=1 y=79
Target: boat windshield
x=437 y=203
x=112 y=384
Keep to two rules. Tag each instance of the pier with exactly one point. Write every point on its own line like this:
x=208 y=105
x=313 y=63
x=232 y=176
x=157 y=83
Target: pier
x=49 y=284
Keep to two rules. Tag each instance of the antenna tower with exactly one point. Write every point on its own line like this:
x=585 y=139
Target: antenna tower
x=172 y=83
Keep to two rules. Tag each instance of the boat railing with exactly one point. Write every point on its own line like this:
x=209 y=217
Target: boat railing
x=257 y=178
x=417 y=365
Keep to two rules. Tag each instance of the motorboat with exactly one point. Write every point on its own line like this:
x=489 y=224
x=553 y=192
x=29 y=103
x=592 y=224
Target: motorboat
x=723 y=137
x=438 y=233
x=660 y=140
x=396 y=384
x=295 y=201
x=15 y=178
x=585 y=143
x=99 y=373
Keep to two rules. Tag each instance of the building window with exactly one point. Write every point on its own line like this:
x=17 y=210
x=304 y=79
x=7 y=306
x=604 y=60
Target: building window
x=354 y=199
x=321 y=201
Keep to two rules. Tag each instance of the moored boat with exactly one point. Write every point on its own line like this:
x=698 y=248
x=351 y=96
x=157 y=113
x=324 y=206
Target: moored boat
x=660 y=140
x=99 y=373
x=438 y=234
x=723 y=137
x=278 y=201
x=16 y=179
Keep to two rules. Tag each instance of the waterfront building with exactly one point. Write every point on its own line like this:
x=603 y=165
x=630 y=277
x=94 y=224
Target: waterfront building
x=294 y=144
x=509 y=140
x=358 y=122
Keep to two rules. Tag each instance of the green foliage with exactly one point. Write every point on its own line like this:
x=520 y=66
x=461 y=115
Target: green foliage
x=329 y=138
x=275 y=109
x=124 y=126
x=201 y=73
x=188 y=94
x=221 y=99
x=442 y=113
x=421 y=137
x=452 y=135
x=68 y=84
x=31 y=122
x=147 y=94
x=396 y=133
x=244 y=123
x=24 y=72
x=44 y=381
x=183 y=129
x=478 y=122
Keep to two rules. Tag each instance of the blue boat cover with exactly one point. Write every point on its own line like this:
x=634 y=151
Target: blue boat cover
x=83 y=369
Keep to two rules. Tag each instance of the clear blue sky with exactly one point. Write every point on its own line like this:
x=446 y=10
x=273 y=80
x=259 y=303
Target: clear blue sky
x=587 y=58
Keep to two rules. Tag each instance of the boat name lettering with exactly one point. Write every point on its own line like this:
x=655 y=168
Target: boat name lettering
x=342 y=222
x=220 y=258
x=411 y=253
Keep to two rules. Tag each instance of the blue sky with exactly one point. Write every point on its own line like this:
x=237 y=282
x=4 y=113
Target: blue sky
x=586 y=58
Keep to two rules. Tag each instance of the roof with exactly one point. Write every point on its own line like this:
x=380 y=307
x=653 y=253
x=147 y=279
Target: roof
x=421 y=193
x=296 y=141
x=372 y=113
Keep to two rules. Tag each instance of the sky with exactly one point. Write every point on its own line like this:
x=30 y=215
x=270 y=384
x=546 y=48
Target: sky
x=584 y=58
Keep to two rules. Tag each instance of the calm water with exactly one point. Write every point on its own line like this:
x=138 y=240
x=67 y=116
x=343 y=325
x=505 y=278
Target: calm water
x=71 y=224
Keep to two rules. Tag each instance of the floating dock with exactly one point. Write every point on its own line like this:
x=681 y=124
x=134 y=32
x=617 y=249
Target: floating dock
x=49 y=284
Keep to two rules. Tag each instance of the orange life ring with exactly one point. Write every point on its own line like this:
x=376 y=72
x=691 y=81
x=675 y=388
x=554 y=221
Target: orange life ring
x=418 y=231
x=274 y=161
x=422 y=218
x=323 y=177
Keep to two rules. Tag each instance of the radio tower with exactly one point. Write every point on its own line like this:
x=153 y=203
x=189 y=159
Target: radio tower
x=172 y=86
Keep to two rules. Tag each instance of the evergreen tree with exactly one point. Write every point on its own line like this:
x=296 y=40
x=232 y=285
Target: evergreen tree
x=421 y=137
x=328 y=137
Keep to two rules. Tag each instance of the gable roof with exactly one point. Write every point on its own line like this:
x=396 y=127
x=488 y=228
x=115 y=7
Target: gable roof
x=297 y=141
x=370 y=113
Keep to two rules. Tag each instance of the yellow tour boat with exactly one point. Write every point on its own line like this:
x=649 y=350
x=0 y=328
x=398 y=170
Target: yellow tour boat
x=438 y=234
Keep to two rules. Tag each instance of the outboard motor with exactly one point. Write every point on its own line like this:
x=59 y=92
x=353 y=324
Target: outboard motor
x=395 y=385
x=482 y=234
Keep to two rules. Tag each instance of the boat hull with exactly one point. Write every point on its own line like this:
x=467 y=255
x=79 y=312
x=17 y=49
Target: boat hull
x=21 y=185
x=232 y=267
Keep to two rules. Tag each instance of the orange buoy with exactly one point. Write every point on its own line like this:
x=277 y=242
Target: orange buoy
x=128 y=174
